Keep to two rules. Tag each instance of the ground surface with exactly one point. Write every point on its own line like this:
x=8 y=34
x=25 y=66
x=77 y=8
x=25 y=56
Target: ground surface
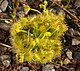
x=12 y=10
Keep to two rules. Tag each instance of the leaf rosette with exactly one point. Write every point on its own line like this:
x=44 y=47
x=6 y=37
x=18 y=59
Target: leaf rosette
x=37 y=38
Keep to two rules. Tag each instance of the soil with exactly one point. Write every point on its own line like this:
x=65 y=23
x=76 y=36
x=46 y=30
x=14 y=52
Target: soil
x=13 y=10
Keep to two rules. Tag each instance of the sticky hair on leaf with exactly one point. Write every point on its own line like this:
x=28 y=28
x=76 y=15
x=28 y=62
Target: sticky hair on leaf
x=37 y=39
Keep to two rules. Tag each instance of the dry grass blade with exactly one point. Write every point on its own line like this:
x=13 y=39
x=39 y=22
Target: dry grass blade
x=5 y=45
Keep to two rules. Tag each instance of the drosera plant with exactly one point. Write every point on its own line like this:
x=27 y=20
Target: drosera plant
x=36 y=38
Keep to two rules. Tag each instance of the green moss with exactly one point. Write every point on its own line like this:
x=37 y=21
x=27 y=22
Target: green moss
x=37 y=38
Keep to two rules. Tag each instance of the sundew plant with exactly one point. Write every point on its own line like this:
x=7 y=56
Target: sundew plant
x=37 y=38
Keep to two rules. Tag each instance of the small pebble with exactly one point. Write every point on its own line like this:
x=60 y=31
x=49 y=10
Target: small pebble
x=71 y=69
x=20 y=14
x=25 y=69
x=6 y=63
x=71 y=31
x=66 y=61
x=69 y=54
x=77 y=3
x=4 y=57
x=4 y=26
x=75 y=41
x=77 y=33
x=53 y=69
x=2 y=49
x=48 y=67
x=4 y=5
